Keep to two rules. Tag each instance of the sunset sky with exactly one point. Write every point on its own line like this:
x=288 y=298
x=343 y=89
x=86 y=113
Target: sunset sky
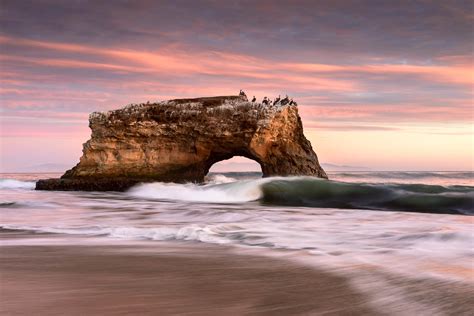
x=386 y=85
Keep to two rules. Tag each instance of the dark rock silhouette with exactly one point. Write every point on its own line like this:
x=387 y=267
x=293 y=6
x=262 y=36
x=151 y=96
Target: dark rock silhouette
x=179 y=140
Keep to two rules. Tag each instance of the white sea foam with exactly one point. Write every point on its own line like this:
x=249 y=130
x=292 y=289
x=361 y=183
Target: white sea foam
x=16 y=184
x=389 y=240
x=219 y=178
x=232 y=192
x=214 y=234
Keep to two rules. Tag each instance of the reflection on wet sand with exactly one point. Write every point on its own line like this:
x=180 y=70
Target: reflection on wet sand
x=61 y=275
x=111 y=280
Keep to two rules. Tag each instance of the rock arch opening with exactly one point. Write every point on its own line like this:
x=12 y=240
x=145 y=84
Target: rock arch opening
x=236 y=164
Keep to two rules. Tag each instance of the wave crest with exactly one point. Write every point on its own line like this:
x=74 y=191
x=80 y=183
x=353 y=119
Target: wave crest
x=16 y=184
x=422 y=198
x=315 y=192
x=233 y=192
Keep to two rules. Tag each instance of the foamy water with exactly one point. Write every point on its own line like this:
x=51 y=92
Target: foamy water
x=254 y=214
x=225 y=192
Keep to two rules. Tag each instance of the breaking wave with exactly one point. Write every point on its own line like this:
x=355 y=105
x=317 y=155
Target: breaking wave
x=16 y=184
x=391 y=197
x=307 y=192
x=231 y=192
x=314 y=192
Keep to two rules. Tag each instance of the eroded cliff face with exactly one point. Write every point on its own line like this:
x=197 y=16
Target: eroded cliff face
x=179 y=140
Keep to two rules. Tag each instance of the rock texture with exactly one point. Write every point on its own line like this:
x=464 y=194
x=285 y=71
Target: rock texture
x=179 y=140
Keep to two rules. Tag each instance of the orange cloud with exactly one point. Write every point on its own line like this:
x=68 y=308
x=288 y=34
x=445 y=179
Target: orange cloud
x=452 y=74
x=176 y=62
x=264 y=77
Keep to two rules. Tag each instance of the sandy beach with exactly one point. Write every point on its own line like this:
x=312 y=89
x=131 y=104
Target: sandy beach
x=187 y=280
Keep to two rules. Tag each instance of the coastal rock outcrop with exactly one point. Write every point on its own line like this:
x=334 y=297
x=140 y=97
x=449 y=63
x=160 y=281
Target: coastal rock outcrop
x=179 y=140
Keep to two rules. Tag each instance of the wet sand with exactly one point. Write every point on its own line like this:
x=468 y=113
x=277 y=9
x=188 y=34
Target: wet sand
x=50 y=274
x=186 y=280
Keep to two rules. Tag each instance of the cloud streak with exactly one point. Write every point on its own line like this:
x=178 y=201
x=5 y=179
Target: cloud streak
x=344 y=82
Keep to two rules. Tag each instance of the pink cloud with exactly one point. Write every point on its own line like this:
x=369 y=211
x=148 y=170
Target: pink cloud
x=458 y=74
x=176 y=62
x=227 y=71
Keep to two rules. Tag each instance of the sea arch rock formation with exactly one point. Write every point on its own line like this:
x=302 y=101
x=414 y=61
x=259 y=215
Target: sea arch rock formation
x=179 y=140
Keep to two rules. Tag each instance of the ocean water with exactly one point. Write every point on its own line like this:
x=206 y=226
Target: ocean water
x=411 y=223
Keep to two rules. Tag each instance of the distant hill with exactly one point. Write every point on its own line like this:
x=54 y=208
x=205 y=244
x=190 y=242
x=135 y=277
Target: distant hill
x=236 y=167
x=47 y=167
x=334 y=167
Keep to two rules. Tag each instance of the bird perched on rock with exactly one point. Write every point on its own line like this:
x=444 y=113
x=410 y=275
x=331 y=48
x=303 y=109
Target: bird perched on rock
x=276 y=100
x=254 y=99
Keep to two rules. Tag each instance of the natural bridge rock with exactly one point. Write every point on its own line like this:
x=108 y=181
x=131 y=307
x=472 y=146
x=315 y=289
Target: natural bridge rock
x=179 y=140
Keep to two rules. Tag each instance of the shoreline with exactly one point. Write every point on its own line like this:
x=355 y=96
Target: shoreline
x=48 y=279
x=56 y=274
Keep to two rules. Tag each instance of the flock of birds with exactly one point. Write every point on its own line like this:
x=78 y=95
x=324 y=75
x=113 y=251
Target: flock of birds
x=278 y=101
